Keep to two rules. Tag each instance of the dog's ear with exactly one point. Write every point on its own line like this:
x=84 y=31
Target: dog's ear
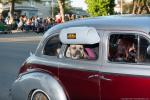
x=68 y=52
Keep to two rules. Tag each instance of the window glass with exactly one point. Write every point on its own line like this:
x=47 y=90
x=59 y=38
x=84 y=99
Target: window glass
x=143 y=56
x=82 y=52
x=123 y=48
x=53 y=46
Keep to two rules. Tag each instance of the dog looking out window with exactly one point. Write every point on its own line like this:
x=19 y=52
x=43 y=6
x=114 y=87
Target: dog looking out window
x=76 y=52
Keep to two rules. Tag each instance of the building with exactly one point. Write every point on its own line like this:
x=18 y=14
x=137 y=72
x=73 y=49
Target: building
x=42 y=9
x=79 y=11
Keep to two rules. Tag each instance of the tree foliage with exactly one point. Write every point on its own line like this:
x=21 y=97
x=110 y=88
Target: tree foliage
x=126 y=6
x=100 y=7
x=64 y=7
x=67 y=7
x=141 y=6
x=61 y=8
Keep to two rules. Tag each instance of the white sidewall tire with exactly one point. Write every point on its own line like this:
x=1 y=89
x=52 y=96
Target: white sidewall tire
x=40 y=91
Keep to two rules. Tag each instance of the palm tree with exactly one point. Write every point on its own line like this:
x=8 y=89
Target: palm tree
x=140 y=5
x=61 y=8
x=64 y=7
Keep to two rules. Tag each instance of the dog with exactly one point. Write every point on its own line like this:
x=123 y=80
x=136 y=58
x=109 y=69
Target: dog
x=76 y=52
x=126 y=50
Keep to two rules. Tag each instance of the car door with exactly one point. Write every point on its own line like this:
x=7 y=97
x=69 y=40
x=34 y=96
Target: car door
x=80 y=77
x=126 y=79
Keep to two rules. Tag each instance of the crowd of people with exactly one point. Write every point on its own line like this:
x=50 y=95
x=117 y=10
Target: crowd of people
x=35 y=23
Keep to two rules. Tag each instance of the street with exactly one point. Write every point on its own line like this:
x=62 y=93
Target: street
x=14 y=49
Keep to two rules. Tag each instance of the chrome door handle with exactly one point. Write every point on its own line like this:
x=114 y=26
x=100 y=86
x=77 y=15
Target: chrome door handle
x=92 y=76
x=103 y=78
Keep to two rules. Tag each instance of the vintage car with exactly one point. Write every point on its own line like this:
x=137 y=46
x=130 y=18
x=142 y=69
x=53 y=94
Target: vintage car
x=102 y=58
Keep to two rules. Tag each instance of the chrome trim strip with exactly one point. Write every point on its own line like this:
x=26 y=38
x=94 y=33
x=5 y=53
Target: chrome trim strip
x=64 y=63
x=129 y=69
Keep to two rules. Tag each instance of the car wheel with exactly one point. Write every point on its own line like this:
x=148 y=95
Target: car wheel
x=39 y=95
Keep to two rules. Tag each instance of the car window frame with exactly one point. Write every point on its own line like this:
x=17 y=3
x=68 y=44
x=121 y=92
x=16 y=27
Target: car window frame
x=46 y=41
x=138 y=33
x=148 y=39
x=123 y=68
x=117 y=33
x=78 y=60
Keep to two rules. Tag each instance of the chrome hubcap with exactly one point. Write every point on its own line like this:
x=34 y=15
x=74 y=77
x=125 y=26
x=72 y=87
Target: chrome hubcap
x=39 y=95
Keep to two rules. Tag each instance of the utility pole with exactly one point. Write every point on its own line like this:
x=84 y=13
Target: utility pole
x=52 y=8
x=31 y=3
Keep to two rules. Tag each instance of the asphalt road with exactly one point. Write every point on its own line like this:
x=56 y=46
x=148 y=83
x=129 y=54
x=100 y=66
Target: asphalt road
x=14 y=49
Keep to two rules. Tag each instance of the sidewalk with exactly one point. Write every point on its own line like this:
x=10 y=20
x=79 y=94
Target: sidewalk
x=20 y=36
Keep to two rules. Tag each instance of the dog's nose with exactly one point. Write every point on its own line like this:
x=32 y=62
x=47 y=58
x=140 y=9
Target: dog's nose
x=78 y=52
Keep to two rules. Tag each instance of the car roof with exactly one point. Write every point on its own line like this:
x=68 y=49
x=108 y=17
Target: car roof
x=116 y=22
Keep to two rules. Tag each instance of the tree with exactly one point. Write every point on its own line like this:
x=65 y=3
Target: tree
x=12 y=6
x=100 y=7
x=141 y=6
x=126 y=6
x=64 y=7
x=61 y=8
x=67 y=7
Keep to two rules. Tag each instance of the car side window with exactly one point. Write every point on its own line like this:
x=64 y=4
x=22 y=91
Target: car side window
x=52 y=46
x=123 y=48
x=82 y=52
x=143 y=56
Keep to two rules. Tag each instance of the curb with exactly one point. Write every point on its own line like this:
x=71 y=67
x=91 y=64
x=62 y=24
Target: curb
x=20 y=37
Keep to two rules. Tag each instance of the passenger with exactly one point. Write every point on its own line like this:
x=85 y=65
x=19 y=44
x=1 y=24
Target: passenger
x=121 y=51
x=132 y=55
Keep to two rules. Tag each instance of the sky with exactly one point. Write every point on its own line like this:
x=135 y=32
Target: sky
x=81 y=3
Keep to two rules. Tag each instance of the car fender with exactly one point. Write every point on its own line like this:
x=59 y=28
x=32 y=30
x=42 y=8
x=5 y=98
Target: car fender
x=26 y=83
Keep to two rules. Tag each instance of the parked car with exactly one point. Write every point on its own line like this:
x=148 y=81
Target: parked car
x=102 y=58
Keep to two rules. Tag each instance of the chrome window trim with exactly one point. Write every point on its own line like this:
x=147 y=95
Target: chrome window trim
x=84 y=65
x=126 y=33
x=41 y=49
x=140 y=69
x=46 y=40
x=64 y=56
x=98 y=60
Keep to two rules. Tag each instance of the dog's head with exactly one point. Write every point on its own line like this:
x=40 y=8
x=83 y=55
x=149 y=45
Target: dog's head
x=75 y=52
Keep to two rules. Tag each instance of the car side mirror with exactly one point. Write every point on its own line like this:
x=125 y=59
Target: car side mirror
x=148 y=50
